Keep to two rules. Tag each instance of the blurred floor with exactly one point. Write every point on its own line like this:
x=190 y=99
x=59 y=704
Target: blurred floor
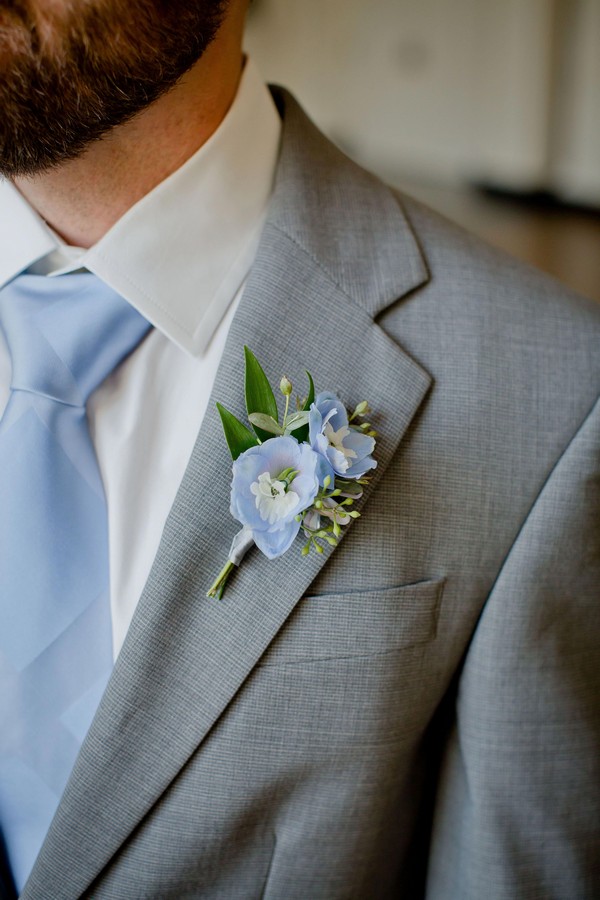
x=564 y=242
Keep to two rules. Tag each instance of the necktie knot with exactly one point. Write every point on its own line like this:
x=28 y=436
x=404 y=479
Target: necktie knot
x=66 y=334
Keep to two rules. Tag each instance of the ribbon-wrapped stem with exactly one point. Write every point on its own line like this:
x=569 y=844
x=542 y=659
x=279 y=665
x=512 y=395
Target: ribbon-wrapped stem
x=240 y=545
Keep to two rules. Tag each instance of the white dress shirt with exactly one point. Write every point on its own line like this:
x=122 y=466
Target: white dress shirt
x=180 y=256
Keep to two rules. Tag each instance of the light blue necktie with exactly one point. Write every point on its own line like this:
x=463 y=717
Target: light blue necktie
x=65 y=335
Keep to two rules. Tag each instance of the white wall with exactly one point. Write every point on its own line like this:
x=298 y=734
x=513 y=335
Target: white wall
x=575 y=156
x=450 y=89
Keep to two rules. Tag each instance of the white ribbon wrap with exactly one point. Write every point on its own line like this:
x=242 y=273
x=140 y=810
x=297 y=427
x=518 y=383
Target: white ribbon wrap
x=240 y=545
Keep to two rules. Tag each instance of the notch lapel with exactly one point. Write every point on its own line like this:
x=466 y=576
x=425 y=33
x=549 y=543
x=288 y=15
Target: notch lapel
x=309 y=304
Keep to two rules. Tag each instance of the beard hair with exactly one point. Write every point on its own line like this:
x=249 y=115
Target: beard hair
x=69 y=77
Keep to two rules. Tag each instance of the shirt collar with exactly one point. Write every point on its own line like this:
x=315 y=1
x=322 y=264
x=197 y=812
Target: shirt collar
x=181 y=253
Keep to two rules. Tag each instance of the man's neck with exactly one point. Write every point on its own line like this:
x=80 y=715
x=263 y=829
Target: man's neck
x=82 y=198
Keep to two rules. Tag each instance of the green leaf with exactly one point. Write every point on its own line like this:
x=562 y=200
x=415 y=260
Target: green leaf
x=296 y=421
x=259 y=395
x=301 y=434
x=351 y=488
x=238 y=437
x=311 y=393
x=265 y=423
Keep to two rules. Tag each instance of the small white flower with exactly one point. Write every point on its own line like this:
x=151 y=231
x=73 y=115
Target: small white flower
x=332 y=511
x=273 y=502
x=343 y=455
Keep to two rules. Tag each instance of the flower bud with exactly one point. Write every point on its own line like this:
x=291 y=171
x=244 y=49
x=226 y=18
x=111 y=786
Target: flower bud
x=362 y=408
x=285 y=386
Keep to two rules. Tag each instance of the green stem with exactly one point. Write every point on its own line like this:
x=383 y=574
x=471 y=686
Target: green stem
x=285 y=414
x=218 y=586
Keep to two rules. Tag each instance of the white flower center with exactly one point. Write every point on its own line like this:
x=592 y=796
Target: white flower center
x=273 y=501
x=336 y=440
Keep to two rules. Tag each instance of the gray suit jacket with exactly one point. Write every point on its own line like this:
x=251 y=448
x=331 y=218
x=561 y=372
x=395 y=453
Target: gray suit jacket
x=414 y=714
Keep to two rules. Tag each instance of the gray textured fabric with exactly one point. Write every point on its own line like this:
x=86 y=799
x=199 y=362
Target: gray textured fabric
x=415 y=714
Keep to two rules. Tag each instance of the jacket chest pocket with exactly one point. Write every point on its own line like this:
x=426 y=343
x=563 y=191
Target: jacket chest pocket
x=358 y=623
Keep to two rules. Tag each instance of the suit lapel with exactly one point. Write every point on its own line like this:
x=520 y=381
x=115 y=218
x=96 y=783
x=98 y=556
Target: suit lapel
x=184 y=652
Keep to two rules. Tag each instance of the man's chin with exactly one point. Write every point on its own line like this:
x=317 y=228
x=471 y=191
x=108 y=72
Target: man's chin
x=22 y=158
x=65 y=81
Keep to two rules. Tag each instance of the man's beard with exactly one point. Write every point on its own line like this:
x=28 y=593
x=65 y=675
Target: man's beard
x=71 y=71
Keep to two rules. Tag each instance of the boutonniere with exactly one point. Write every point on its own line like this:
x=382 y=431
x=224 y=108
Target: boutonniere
x=298 y=475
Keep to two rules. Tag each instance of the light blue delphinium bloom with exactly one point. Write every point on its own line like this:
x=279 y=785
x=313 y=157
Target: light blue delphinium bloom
x=272 y=484
x=344 y=451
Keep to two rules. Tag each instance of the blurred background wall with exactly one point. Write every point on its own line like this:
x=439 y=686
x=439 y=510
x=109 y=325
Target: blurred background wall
x=446 y=97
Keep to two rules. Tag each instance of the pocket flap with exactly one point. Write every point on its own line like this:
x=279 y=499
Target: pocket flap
x=358 y=623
